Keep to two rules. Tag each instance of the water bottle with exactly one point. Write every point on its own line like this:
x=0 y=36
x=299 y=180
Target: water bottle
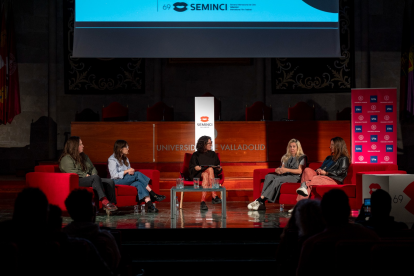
x=282 y=207
x=177 y=202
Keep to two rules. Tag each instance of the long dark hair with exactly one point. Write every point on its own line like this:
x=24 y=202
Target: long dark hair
x=202 y=143
x=340 y=149
x=72 y=149
x=119 y=145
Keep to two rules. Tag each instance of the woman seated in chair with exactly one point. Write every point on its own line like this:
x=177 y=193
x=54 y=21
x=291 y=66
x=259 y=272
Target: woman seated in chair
x=204 y=156
x=121 y=172
x=293 y=163
x=74 y=160
x=332 y=172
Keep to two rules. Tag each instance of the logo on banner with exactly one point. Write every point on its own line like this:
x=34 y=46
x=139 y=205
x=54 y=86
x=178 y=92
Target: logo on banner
x=386 y=117
x=374 y=159
x=389 y=148
x=360 y=117
x=386 y=98
x=373 y=127
x=388 y=108
x=386 y=158
x=361 y=158
x=361 y=137
x=387 y=137
x=360 y=98
x=358 y=128
x=373 y=187
x=358 y=109
x=374 y=147
x=373 y=99
x=374 y=118
x=358 y=148
x=180 y=6
x=409 y=191
x=374 y=138
x=204 y=119
x=373 y=107
x=389 y=128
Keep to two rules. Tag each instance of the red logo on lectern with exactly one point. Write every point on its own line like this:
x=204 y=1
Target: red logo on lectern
x=387 y=137
x=361 y=137
x=204 y=119
x=409 y=191
x=373 y=187
x=360 y=98
x=373 y=107
x=374 y=147
x=361 y=158
x=360 y=117
x=386 y=98
x=373 y=127
x=386 y=117
x=386 y=158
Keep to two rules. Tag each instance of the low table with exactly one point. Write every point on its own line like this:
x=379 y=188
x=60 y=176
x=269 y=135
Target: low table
x=174 y=190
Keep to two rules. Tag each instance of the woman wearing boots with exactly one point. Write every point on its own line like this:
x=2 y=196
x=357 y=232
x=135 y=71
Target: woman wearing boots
x=122 y=174
x=333 y=170
x=293 y=163
x=205 y=156
x=74 y=160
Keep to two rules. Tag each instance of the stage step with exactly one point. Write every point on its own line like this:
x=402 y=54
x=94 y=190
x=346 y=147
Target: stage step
x=238 y=189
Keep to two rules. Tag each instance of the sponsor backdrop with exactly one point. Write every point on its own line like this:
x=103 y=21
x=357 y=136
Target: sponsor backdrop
x=204 y=118
x=374 y=126
x=401 y=189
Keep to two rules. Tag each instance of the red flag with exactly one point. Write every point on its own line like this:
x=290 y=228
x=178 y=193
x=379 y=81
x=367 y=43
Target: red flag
x=3 y=69
x=13 y=100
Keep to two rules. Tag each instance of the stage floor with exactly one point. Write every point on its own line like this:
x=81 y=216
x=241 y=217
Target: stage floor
x=238 y=216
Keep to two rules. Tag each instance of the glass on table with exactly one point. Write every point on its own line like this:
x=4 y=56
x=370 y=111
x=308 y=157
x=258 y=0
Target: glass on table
x=216 y=183
x=196 y=182
x=180 y=183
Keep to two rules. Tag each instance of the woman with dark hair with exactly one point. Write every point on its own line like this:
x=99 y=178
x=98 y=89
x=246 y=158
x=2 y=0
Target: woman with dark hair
x=74 y=160
x=122 y=174
x=204 y=156
x=334 y=169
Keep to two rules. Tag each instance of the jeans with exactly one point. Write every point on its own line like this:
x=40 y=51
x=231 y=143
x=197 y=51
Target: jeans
x=138 y=180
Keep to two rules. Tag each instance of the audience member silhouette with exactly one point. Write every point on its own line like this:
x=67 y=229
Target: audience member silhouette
x=380 y=220
x=306 y=221
x=80 y=207
x=321 y=247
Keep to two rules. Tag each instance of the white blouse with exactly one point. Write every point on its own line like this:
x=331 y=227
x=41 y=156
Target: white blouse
x=116 y=170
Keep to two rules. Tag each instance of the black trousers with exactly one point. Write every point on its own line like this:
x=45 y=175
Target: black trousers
x=105 y=187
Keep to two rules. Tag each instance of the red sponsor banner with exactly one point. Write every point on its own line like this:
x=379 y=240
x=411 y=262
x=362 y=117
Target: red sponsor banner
x=374 y=126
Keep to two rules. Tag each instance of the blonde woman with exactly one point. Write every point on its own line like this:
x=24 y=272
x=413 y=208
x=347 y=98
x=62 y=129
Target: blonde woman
x=293 y=163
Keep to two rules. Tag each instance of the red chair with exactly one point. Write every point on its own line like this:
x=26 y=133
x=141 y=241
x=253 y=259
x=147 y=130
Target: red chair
x=57 y=186
x=115 y=112
x=217 y=106
x=185 y=174
x=160 y=112
x=258 y=112
x=301 y=112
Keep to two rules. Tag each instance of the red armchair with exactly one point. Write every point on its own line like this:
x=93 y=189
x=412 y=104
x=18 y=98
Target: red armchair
x=160 y=112
x=185 y=174
x=57 y=185
x=258 y=111
x=351 y=185
x=115 y=112
x=301 y=111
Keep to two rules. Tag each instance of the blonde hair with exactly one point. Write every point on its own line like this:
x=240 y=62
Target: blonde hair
x=299 y=152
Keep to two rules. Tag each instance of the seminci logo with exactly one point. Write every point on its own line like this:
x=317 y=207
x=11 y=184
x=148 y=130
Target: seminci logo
x=180 y=6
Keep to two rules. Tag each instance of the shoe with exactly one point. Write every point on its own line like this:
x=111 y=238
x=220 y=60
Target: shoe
x=302 y=190
x=157 y=198
x=150 y=208
x=260 y=206
x=252 y=204
x=216 y=200
x=110 y=207
x=203 y=206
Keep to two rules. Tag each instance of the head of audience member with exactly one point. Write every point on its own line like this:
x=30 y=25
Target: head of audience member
x=54 y=221
x=80 y=206
x=293 y=149
x=31 y=208
x=335 y=208
x=74 y=148
x=380 y=204
x=292 y=226
x=338 y=148
x=309 y=218
x=203 y=144
x=121 y=150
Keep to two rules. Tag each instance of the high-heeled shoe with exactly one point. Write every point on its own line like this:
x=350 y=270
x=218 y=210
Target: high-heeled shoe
x=109 y=207
x=150 y=208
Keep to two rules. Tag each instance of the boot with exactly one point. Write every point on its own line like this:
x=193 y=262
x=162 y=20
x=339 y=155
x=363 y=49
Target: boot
x=150 y=208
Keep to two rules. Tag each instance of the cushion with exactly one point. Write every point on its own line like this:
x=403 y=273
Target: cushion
x=289 y=188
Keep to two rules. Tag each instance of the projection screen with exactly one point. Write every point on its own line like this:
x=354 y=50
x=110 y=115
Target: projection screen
x=206 y=28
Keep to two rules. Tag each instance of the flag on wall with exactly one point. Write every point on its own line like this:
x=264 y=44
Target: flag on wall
x=9 y=78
